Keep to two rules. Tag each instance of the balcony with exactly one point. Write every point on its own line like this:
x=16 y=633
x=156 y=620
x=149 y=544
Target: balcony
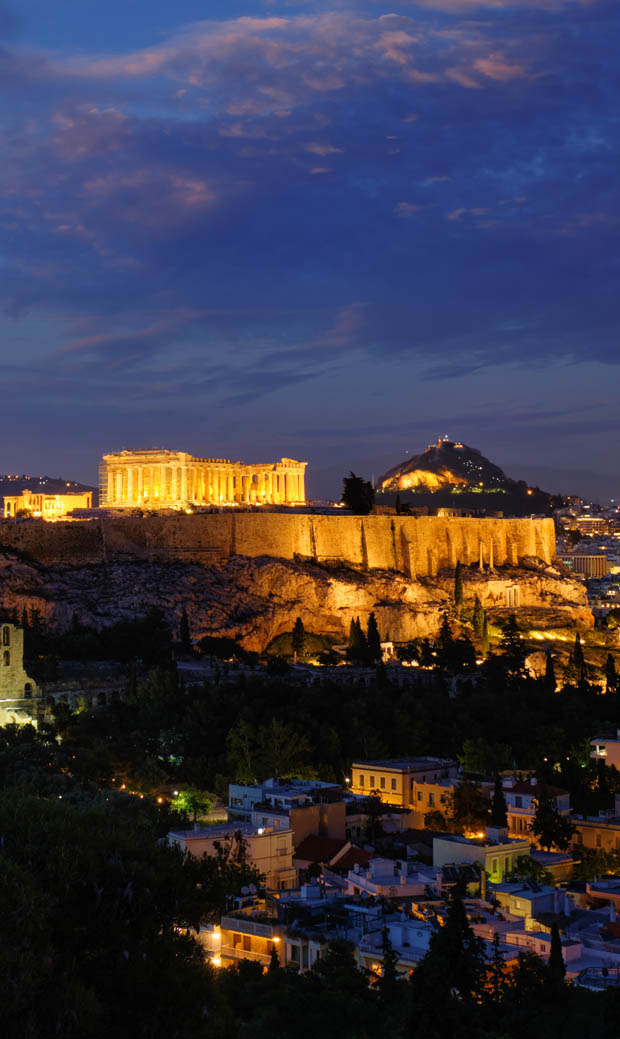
x=229 y=952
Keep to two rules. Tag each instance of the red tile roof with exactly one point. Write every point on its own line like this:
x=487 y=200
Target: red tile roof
x=330 y=851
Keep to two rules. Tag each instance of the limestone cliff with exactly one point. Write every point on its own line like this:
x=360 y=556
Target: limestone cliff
x=256 y=599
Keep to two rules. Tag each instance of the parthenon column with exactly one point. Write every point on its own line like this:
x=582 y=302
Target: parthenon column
x=184 y=483
x=130 y=482
x=230 y=495
x=119 y=485
x=289 y=486
x=302 y=486
x=110 y=485
x=140 y=483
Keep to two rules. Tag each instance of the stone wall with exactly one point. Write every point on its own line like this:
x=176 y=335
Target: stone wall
x=414 y=546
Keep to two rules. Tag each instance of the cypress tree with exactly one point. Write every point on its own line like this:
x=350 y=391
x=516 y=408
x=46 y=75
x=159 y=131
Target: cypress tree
x=499 y=817
x=556 y=968
x=389 y=974
x=578 y=659
x=184 y=633
x=351 y=633
x=373 y=639
x=426 y=654
x=458 y=587
x=356 y=651
x=299 y=638
x=24 y=621
x=478 y=619
x=274 y=961
x=445 y=638
x=485 y=635
x=549 y=673
x=611 y=675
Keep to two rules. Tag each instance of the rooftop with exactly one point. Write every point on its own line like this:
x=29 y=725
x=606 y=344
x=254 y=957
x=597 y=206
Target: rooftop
x=198 y=833
x=412 y=764
x=532 y=789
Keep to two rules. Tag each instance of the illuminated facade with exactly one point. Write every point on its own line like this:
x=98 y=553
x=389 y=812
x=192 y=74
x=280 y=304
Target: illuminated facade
x=174 y=479
x=46 y=506
x=395 y=779
x=17 y=689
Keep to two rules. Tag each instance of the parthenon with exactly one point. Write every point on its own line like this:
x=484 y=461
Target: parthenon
x=158 y=479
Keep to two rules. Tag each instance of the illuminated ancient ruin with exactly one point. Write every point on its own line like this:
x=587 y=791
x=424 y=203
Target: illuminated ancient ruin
x=46 y=506
x=174 y=479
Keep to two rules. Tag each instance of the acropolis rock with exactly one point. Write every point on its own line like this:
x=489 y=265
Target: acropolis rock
x=249 y=579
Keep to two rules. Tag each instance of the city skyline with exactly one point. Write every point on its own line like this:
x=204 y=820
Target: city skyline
x=341 y=228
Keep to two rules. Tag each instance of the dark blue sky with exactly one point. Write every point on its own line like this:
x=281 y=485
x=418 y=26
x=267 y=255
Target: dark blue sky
x=257 y=228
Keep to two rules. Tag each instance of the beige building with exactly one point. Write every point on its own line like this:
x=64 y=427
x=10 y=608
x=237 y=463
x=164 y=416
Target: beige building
x=496 y=855
x=396 y=779
x=46 y=506
x=17 y=689
x=607 y=750
x=174 y=479
x=271 y=851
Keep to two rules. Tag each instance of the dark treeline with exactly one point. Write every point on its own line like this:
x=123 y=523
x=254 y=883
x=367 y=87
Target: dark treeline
x=266 y=724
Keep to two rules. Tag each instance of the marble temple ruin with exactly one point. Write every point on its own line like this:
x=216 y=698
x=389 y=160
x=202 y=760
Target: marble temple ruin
x=159 y=479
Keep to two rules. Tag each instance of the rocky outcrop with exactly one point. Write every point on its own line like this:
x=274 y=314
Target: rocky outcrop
x=256 y=599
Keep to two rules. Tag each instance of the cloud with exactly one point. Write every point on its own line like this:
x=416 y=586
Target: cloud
x=172 y=204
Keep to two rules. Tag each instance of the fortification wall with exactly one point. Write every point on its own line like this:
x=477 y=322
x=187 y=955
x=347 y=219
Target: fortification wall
x=416 y=547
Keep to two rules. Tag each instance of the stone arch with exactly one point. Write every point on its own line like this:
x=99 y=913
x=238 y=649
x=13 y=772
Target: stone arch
x=28 y=690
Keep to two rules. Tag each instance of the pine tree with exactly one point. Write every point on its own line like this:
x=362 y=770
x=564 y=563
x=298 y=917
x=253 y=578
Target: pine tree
x=549 y=826
x=478 y=619
x=499 y=817
x=24 y=621
x=454 y=963
x=611 y=675
x=274 y=960
x=373 y=640
x=549 y=673
x=485 y=635
x=358 y=494
x=184 y=633
x=299 y=639
x=458 y=587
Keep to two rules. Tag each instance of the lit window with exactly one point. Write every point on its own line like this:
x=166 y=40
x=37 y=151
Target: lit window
x=372 y=781
x=393 y=784
x=382 y=782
